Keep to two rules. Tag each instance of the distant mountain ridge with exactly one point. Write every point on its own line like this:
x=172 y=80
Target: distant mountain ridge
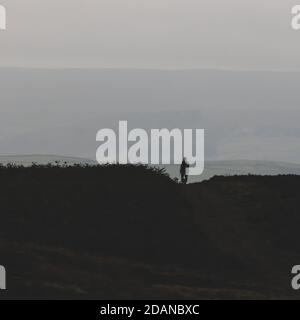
x=28 y=160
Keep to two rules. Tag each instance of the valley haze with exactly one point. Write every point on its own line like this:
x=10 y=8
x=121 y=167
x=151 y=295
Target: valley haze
x=246 y=114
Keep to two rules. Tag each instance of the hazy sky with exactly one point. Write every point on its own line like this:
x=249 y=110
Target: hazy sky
x=231 y=34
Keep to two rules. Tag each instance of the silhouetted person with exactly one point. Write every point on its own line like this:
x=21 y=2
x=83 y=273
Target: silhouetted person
x=183 y=171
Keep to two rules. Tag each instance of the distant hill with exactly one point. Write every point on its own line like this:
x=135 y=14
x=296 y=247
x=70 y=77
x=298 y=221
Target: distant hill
x=239 y=167
x=212 y=168
x=28 y=160
x=132 y=232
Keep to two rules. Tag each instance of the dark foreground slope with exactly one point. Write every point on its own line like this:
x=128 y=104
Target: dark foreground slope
x=131 y=232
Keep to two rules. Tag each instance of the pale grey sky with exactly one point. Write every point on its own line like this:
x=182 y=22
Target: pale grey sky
x=231 y=34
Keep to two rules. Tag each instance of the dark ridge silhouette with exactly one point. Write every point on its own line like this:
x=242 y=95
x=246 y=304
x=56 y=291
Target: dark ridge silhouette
x=121 y=232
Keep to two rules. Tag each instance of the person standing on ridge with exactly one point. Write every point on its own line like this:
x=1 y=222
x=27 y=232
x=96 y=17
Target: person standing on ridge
x=183 y=171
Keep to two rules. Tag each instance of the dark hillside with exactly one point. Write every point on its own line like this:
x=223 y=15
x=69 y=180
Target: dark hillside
x=127 y=211
x=132 y=232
